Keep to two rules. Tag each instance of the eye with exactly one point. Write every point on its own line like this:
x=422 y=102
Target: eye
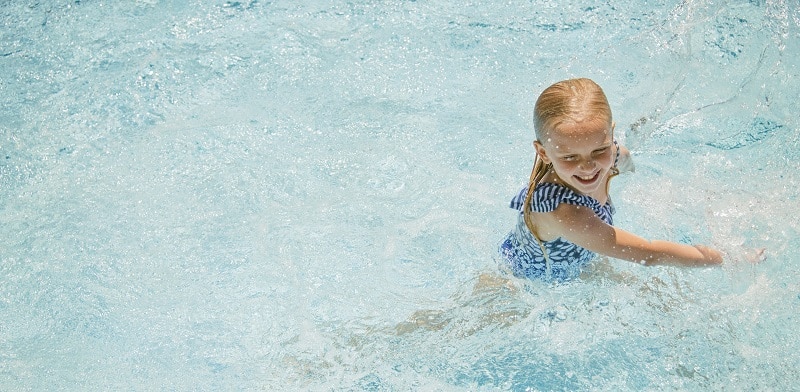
x=601 y=151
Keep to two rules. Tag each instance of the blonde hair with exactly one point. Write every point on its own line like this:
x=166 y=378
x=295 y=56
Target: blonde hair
x=570 y=101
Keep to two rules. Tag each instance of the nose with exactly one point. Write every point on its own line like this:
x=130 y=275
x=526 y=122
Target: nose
x=588 y=164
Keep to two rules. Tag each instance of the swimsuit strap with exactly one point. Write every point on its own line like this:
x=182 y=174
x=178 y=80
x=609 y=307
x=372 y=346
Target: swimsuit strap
x=614 y=169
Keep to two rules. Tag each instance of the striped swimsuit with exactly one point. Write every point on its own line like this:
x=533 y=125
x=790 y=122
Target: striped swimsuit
x=521 y=250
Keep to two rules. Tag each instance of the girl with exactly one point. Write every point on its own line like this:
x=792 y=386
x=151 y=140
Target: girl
x=565 y=211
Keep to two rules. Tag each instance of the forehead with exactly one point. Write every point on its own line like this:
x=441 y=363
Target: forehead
x=570 y=136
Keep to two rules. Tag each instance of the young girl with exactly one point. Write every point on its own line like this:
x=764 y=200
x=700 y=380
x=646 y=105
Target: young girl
x=565 y=211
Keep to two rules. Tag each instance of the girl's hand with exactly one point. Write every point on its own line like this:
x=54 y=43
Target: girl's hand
x=755 y=256
x=625 y=163
x=710 y=256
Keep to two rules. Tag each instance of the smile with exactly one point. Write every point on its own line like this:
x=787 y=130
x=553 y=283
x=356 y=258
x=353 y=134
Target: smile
x=588 y=179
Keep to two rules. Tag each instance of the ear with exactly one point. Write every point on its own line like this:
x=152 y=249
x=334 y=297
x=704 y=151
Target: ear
x=541 y=152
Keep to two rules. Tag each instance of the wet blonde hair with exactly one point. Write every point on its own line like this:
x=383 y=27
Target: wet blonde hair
x=570 y=101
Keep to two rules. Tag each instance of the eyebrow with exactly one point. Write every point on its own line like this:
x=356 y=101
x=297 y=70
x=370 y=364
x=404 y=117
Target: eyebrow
x=604 y=145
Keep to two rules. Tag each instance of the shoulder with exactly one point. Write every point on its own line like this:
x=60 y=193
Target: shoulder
x=559 y=211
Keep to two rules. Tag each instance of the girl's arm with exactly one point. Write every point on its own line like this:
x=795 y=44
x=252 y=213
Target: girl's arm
x=581 y=226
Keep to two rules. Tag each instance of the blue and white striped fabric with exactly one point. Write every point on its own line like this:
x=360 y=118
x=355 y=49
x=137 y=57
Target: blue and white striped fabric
x=521 y=250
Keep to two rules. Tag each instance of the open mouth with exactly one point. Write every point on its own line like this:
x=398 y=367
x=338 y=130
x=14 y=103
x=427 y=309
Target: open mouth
x=587 y=180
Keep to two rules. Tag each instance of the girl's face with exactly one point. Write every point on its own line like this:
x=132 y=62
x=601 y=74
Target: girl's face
x=582 y=155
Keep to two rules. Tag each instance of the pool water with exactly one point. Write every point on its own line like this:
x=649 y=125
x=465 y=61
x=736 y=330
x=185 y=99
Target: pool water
x=280 y=195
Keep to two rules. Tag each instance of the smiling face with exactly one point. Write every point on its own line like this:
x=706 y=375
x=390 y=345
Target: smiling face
x=582 y=155
x=574 y=132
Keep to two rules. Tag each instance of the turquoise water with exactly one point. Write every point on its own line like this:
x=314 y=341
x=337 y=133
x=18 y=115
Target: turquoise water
x=308 y=195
